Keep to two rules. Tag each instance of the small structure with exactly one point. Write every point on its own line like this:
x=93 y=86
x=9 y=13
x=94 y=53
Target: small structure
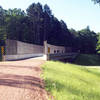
x=52 y=49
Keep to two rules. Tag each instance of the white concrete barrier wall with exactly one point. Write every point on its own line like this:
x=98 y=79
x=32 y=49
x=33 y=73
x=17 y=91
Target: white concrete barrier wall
x=20 y=57
x=16 y=50
x=11 y=47
x=26 y=48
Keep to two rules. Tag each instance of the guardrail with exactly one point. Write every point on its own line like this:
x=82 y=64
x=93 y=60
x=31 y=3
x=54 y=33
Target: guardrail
x=61 y=56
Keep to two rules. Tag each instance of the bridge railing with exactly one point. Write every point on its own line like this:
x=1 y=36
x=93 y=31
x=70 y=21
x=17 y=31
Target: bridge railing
x=61 y=56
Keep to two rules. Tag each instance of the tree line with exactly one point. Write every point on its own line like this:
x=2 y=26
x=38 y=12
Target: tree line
x=38 y=24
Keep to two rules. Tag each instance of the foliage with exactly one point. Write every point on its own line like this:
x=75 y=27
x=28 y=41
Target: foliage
x=88 y=60
x=43 y=22
x=98 y=43
x=88 y=41
x=38 y=24
x=96 y=1
x=85 y=40
x=2 y=27
x=71 y=82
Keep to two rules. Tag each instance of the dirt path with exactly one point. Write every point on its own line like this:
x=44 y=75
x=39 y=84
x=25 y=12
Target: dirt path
x=20 y=80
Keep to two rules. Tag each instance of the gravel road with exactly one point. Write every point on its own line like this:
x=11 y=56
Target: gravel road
x=20 y=80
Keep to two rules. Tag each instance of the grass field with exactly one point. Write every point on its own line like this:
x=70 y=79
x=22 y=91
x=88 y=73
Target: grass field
x=71 y=82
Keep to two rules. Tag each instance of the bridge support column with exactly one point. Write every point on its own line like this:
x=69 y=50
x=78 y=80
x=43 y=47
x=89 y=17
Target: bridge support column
x=45 y=48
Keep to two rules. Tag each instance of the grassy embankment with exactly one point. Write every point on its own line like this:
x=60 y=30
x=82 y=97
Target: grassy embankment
x=71 y=82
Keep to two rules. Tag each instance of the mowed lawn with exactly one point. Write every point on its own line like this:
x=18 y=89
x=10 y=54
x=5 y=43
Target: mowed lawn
x=71 y=82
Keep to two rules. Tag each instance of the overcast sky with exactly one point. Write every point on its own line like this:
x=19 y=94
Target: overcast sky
x=76 y=13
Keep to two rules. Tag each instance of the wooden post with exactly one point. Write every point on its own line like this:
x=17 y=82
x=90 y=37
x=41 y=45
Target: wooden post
x=2 y=53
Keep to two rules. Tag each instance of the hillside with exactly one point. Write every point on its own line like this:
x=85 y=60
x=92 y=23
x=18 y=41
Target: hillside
x=71 y=82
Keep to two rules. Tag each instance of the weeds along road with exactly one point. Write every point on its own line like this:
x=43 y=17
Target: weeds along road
x=20 y=80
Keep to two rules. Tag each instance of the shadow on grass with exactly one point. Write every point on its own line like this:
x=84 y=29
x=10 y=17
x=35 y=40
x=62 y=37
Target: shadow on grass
x=91 y=72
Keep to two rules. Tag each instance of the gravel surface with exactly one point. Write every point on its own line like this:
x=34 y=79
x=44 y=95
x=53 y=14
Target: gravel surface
x=20 y=80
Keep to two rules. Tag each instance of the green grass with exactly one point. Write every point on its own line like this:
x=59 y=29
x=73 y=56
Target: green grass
x=71 y=82
x=89 y=60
